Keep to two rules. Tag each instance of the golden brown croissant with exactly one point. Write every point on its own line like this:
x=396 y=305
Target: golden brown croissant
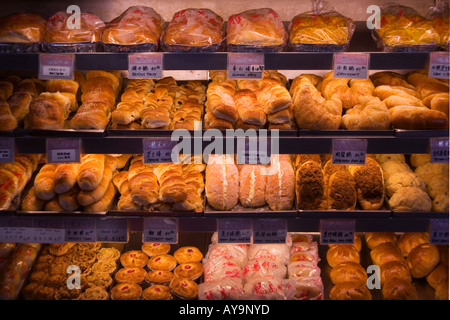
x=369 y=114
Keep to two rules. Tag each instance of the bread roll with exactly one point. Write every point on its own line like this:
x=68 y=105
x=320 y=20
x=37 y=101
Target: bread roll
x=342 y=253
x=66 y=176
x=418 y=159
x=280 y=185
x=58 y=85
x=394 y=166
x=31 y=202
x=398 y=289
x=104 y=203
x=399 y=180
x=394 y=269
x=441 y=292
x=416 y=118
x=348 y=271
x=357 y=243
x=19 y=104
x=438 y=275
x=369 y=114
x=386 y=252
x=44 y=114
x=438 y=101
x=390 y=78
x=437 y=185
x=410 y=199
x=409 y=240
x=144 y=188
x=341 y=191
x=350 y=291
x=422 y=260
x=373 y=239
x=7 y=120
x=86 y=198
x=252 y=185
x=53 y=205
x=222 y=182
x=91 y=116
x=91 y=171
x=310 y=188
x=68 y=200
x=44 y=183
x=248 y=108
x=382 y=158
x=273 y=97
x=428 y=171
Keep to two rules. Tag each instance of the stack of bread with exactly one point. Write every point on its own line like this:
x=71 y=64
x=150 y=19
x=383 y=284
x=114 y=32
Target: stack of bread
x=248 y=104
x=349 y=278
x=160 y=187
x=415 y=101
x=436 y=179
x=303 y=267
x=51 y=275
x=16 y=95
x=395 y=276
x=405 y=188
x=15 y=176
x=322 y=185
x=65 y=187
x=252 y=186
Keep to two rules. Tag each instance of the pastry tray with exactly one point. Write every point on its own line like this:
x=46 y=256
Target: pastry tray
x=215 y=47
x=58 y=133
x=19 y=47
x=343 y=132
x=403 y=48
x=421 y=133
x=141 y=47
x=255 y=48
x=240 y=212
x=71 y=47
x=419 y=215
x=318 y=47
x=358 y=212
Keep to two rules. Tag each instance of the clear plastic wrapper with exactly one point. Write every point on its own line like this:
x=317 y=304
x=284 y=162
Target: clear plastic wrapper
x=215 y=270
x=59 y=38
x=269 y=289
x=227 y=289
x=256 y=30
x=296 y=237
x=235 y=252
x=305 y=246
x=439 y=17
x=21 y=32
x=274 y=252
x=310 y=256
x=137 y=29
x=263 y=268
x=194 y=30
x=402 y=29
x=303 y=270
x=320 y=31
x=308 y=289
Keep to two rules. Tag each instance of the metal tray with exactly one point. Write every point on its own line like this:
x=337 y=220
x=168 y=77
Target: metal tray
x=141 y=47
x=421 y=133
x=403 y=48
x=70 y=47
x=19 y=47
x=343 y=132
x=319 y=47
x=240 y=212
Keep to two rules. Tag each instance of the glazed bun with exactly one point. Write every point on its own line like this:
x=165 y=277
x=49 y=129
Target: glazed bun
x=342 y=253
x=375 y=238
x=409 y=240
x=422 y=260
x=350 y=291
x=438 y=275
x=394 y=269
x=399 y=289
x=348 y=271
x=386 y=252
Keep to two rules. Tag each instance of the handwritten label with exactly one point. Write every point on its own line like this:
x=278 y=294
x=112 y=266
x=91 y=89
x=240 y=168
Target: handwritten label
x=439 y=150
x=80 y=229
x=349 y=151
x=439 y=231
x=48 y=230
x=340 y=231
x=16 y=229
x=56 y=66
x=145 y=65
x=269 y=231
x=439 y=65
x=112 y=230
x=163 y=230
x=245 y=65
x=159 y=150
x=234 y=230
x=63 y=150
x=6 y=150
x=351 y=65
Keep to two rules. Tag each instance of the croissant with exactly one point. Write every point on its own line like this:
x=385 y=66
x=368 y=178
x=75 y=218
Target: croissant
x=314 y=112
x=369 y=114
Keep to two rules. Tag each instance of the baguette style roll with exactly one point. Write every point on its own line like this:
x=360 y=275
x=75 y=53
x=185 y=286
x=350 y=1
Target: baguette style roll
x=416 y=118
x=222 y=182
x=53 y=205
x=105 y=202
x=144 y=188
x=252 y=185
x=68 y=200
x=86 y=198
x=44 y=183
x=31 y=202
x=280 y=185
x=91 y=171
x=172 y=187
x=66 y=176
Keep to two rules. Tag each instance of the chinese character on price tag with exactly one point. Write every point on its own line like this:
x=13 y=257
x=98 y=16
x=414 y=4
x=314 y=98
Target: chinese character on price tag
x=159 y=150
x=80 y=230
x=340 y=231
x=145 y=65
x=234 y=230
x=112 y=230
x=16 y=229
x=48 y=230
x=56 y=66
x=63 y=150
x=439 y=231
x=163 y=230
x=269 y=231
x=439 y=65
x=349 y=151
x=351 y=65
x=6 y=150
x=245 y=65
x=439 y=150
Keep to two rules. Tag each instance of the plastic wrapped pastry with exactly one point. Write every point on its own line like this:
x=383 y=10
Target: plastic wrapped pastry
x=227 y=289
x=22 y=27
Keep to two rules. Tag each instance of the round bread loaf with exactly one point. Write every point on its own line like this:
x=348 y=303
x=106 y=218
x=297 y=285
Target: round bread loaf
x=350 y=291
x=399 y=289
x=348 y=271
x=342 y=253
x=422 y=260
x=410 y=240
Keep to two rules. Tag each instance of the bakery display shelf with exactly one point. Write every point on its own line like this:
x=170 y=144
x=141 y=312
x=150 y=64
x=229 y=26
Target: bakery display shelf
x=6 y=134
x=349 y=133
x=420 y=215
x=421 y=133
x=345 y=214
x=253 y=213
x=58 y=133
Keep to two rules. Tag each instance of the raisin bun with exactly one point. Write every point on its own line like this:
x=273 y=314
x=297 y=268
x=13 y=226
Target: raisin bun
x=348 y=271
x=342 y=253
x=438 y=276
x=375 y=238
x=399 y=289
x=394 y=269
x=422 y=260
x=350 y=291
x=386 y=252
x=410 y=240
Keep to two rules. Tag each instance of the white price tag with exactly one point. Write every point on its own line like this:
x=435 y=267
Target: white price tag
x=340 y=231
x=234 y=230
x=56 y=66
x=15 y=229
x=164 y=230
x=349 y=151
x=6 y=150
x=253 y=150
x=112 y=230
x=245 y=65
x=80 y=229
x=63 y=150
x=269 y=231
x=439 y=150
x=159 y=150
x=439 y=231
x=351 y=65
x=439 y=65
x=48 y=230
x=145 y=65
